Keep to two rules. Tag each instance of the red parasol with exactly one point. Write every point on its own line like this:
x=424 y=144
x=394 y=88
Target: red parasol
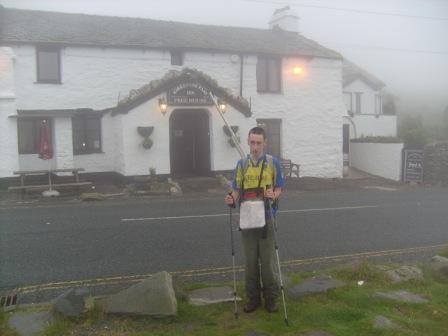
x=45 y=148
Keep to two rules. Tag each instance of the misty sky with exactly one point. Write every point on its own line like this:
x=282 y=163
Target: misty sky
x=408 y=51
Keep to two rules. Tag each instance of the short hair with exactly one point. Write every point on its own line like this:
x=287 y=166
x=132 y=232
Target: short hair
x=258 y=130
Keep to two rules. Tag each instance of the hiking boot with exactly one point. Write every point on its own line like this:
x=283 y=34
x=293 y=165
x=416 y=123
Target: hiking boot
x=252 y=305
x=270 y=306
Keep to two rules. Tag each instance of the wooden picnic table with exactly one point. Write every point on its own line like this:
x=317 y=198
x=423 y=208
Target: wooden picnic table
x=24 y=173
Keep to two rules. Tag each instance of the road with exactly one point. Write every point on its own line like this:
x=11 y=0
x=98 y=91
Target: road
x=41 y=244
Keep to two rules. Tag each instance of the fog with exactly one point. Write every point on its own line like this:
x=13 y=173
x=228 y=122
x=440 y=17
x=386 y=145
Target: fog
x=402 y=42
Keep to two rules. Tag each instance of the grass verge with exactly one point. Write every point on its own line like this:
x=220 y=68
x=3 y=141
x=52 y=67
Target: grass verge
x=345 y=311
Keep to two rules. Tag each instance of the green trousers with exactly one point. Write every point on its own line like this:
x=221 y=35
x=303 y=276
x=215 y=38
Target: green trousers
x=260 y=248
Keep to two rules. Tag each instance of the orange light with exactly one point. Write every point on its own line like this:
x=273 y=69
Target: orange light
x=297 y=71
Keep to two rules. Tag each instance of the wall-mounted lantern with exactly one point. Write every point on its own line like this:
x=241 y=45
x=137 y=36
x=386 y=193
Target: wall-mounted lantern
x=163 y=105
x=222 y=106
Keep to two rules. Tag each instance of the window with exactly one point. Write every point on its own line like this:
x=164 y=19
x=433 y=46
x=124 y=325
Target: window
x=272 y=128
x=348 y=101
x=28 y=132
x=86 y=134
x=48 y=64
x=378 y=104
x=269 y=74
x=358 y=102
x=177 y=57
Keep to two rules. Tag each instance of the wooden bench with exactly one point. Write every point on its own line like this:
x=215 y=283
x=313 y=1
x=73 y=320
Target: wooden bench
x=289 y=169
x=24 y=173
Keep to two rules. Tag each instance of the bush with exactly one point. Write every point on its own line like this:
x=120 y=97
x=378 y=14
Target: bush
x=412 y=132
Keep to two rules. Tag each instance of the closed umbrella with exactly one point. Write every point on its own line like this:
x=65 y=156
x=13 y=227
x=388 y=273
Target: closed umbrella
x=45 y=152
x=45 y=147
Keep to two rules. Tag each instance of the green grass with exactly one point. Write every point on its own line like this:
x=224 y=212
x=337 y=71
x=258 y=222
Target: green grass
x=4 y=329
x=345 y=311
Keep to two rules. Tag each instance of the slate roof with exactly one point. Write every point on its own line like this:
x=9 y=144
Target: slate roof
x=29 y=26
x=351 y=72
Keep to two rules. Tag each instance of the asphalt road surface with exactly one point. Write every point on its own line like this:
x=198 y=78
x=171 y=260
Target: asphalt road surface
x=126 y=239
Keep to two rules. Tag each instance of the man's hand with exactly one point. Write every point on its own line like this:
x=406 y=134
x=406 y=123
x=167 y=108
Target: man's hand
x=269 y=193
x=229 y=200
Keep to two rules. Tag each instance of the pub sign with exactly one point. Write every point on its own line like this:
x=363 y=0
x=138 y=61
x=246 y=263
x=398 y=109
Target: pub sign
x=413 y=165
x=189 y=93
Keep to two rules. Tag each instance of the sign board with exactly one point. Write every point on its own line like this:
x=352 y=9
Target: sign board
x=413 y=165
x=189 y=93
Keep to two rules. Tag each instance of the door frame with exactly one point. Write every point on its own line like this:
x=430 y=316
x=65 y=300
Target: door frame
x=203 y=113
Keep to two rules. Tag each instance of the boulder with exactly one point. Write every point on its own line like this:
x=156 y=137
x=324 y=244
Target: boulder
x=315 y=285
x=401 y=296
x=439 y=266
x=30 y=323
x=382 y=322
x=153 y=296
x=405 y=273
x=71 y=303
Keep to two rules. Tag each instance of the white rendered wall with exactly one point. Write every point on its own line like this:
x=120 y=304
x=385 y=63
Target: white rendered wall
x=377 y=159
x=370 y=125
x=9 y=160
x=311 y=105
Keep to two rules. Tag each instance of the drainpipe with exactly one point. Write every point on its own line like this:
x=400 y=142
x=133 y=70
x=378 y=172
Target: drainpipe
x=241 y=73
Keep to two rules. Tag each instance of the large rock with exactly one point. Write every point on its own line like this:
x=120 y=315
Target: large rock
x=30 y=323
x=209 y=295
x=315 y=285
x=382 y=322
x=405 y=273
x=401 y=296
x=154 y=296
x=439 y=266
x=71 y=303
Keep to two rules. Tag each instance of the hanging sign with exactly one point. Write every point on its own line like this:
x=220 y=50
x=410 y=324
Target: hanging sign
x=189 y=93
x=413 y=165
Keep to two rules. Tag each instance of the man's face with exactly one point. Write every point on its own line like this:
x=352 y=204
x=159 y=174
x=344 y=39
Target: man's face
x=257 y=143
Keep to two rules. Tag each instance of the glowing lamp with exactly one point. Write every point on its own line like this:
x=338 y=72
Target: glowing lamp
x=163 y=105
x=297 y=70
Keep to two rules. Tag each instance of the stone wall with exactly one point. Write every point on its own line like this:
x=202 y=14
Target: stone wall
x=436 y=163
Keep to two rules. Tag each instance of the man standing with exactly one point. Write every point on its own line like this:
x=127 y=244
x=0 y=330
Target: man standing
x=259 y=171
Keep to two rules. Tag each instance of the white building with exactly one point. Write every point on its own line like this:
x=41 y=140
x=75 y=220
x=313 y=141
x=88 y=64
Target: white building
x=363 y=98
x=100 y=81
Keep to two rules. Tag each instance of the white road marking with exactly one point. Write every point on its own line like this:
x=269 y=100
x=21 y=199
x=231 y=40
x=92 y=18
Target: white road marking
x=226 y=214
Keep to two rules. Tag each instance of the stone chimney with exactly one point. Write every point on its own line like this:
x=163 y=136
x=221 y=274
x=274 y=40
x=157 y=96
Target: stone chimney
x=285 y=18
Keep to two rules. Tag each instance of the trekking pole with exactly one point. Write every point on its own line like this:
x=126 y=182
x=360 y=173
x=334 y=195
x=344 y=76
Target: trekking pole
x=232 y=133
x=274 y=231
x=233 y=258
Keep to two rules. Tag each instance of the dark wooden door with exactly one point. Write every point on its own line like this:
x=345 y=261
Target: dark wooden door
x=189 y=143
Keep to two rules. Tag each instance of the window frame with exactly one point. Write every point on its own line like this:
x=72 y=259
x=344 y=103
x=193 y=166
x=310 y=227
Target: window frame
x=44 y=48
x=36 y=122
x=358 y=102
x=267 y=62
x=378 y=104
x=89 y=149
x=180 y=60
x=349 y=108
